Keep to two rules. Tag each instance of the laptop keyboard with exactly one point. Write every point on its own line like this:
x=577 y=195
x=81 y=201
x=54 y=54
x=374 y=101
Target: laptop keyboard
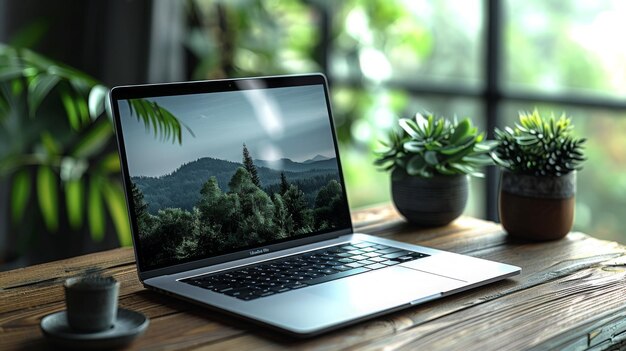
x=301 y=270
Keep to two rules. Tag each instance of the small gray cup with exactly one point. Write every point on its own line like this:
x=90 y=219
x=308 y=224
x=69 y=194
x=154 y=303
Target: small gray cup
x=91 y=302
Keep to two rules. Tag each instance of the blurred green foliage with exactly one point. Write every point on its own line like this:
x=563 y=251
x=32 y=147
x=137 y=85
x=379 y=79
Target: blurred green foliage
x=56 y=149
x=53 y=146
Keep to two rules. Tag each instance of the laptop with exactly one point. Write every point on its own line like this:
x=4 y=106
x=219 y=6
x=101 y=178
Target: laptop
x=237 y=202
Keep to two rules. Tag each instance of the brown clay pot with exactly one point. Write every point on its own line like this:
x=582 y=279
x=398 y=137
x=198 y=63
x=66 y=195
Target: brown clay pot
x=537 y=208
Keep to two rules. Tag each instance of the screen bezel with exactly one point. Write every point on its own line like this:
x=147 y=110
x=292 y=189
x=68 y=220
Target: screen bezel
x=212 y=86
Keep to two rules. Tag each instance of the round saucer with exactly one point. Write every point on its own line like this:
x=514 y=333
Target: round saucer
x=128 y=325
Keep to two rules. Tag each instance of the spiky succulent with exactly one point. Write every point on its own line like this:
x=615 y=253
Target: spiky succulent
x=425 y=146
x=539 y=146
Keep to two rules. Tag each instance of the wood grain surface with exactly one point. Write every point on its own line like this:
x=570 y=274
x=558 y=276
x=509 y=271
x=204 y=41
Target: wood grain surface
x=571 y=295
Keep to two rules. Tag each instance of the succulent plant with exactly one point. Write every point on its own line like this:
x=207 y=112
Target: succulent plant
x=539 y=146
x=425 y=146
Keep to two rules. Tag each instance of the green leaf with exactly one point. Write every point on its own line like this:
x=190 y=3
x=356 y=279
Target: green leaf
x=463 y=144
x=50 y=144
x=70 y=109
x=38 y=88
x=414 y=146
x=93 y=140
x=443 y=169
x=163 y=123
x=95 y=211
x=485 y=146
x=20 y=192
x=431 y=158
x=421 y=123
x=110 y=163
x=465 y=169
x=415 y=165
x=430 y=125
x=460 y=131
x=74 y=194
x=48 y=195
x=17 y=86
x=439 y=128
x=116 y=203
x=499 y=161
x=76 y=77
x=10 y=72
x=409 y=127
x=83 y=110
x=478 y=160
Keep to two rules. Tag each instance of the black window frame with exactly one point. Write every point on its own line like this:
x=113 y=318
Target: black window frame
x=492 y=96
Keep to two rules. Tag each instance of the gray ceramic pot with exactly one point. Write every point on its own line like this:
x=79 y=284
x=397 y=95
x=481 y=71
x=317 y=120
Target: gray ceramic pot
x=91 y=302
x=430 y=202
x=537 y=208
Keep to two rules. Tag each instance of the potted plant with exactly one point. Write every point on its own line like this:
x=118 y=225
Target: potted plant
x=539 y=157
x=430 y=159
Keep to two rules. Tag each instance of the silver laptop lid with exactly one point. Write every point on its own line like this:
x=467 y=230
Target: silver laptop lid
x=220 y=170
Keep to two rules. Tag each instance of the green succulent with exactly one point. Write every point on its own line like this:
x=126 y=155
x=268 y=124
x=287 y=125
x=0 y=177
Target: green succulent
x=425 y=146
x=539 y=146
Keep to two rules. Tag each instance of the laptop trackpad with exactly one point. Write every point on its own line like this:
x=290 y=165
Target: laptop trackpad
x=384 y=288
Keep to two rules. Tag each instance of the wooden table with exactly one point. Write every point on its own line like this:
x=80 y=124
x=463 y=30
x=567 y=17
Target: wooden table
x=571 y=295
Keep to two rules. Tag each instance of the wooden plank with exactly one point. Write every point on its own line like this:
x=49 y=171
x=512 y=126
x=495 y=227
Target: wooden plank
x=53 y=271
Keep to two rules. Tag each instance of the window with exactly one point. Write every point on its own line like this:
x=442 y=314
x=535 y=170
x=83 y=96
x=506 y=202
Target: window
x=483 y=59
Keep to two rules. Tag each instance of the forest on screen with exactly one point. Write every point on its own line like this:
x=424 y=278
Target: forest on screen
x=257 y=205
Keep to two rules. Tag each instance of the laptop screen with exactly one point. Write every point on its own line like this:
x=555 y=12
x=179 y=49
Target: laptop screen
x=218 y=172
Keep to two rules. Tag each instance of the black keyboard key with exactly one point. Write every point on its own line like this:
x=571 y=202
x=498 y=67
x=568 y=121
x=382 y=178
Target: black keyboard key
x=336 y=276
x=297 y=285
x=279 y=289
x=363 y=244
x=239 y=292
x=380 y=247
x=346 y=260
x=312 y=274
x=366 y=262
x=265 y=293
x=225 y=289
x=328 y=271
x=405 y=258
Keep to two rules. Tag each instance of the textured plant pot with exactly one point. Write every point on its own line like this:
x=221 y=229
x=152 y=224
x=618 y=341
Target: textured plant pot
x=537 y=208
x=430 y=202
x=91 y=302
